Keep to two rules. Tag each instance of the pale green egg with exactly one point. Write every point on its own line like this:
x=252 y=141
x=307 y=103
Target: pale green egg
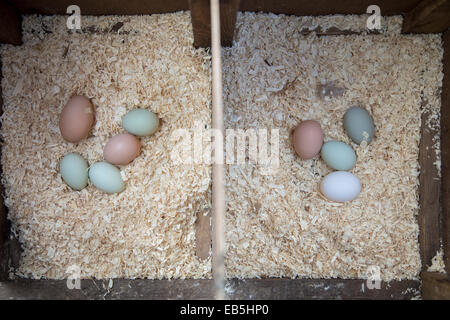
x=140 y=122
x=338 y=155
x=357 y=122
x=106 y=177
x=74 y=171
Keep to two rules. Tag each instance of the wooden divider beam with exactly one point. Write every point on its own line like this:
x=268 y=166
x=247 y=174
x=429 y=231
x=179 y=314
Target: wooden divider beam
x=201 y=25
x=218 y=169
x=201 y=21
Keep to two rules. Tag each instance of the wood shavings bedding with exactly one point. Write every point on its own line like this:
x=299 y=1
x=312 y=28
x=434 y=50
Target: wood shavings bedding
x=277 y=224
x=147 y=231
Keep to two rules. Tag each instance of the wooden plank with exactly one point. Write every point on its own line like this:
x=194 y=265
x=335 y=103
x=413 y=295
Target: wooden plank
x=296 y=7
x=276 y=289
x=201 y=21
x=445 y=151
x=101 y=7
x=435 y=286
x=228 y=14
x=325 y=7
x=429 y=195
x=203 y=235
x=10 y=24
x=4 y=227
x=99 y=289
x=430 y=16
x=336 y=289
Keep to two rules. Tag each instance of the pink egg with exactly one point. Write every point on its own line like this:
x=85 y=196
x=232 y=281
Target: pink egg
x=122 y=149
x=308 y=139
x=76 y=119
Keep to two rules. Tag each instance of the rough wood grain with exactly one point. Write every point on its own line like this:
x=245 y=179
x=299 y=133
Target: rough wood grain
x=4 y=228
x=296 y=7
x=203 y=235
x=228 y=14
x=435 y=286
x=445 y=152
x=430 y=16
x=201 y=22
x=276 y=289
x=99 y=289
x=429 y=197
x=292 y=289
x=324 y=7
x=101 y=7
x=10 y=24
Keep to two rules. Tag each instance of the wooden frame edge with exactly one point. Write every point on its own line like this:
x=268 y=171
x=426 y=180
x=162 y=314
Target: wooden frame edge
x=4 y=226
x=435 y=286
x=237 y=289
x=429 y=197
x=428 y=17
x=10 y=24
x=445 y=151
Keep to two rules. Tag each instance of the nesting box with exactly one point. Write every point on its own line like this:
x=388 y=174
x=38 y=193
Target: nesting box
x=283 y=62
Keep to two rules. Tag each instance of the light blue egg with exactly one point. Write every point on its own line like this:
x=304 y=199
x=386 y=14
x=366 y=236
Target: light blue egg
x=338 y=155
x=74 y=171
x=356 y=121
x=106 y=177
x=340 y=186
x=140 y=122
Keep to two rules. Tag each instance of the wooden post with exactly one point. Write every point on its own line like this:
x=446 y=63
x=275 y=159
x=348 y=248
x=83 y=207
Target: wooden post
x=203 y=235
x=429 y=195
x=3 y=222
x=445 y=152
x=10 y=24
x=228 y=14
x=430 y=16
x=218 y=172
x=201 y=21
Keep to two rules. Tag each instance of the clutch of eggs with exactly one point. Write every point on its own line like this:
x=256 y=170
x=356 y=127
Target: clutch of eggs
x=340 y=186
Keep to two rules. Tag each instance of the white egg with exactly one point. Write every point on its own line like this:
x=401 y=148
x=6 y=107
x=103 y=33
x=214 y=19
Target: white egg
x=340 y=186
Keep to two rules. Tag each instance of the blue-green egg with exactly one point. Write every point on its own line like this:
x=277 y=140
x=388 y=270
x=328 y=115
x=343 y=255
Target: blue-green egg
x=338 y=155
x=140 y=122
x=357 y=121
x=74 y=171
x=106 y=177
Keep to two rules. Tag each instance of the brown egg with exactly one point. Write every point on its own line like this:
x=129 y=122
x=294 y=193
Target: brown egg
x=76 y=119
x=308 y=139
x=122 y=149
